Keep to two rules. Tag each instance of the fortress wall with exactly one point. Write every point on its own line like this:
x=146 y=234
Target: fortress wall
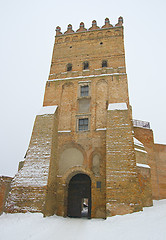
x=146 y=137
x=104 y=151
x=144 y=178
x=4 y=190
x=74 y=153
x=144 y=173
x=94 y=47
x=160 y=156
x=122 y=187
x=29 y=184
x=90 y=46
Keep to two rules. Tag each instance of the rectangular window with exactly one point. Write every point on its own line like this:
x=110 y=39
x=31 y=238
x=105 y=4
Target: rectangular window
x=83 y=124
x=98 y=184
x=84 y=91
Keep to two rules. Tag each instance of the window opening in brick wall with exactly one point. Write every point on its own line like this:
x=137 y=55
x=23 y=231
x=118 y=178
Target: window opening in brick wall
x=85 y=65
x=83 y=124
x=98 y=184
x=84 y=91
x=69 y=67
x=104 y=63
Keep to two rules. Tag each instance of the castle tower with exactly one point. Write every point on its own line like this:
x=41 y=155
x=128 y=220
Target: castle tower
x=81 y=157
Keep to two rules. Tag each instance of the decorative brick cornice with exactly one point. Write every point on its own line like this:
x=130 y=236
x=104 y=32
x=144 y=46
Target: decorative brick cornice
x=82 y=28
x=69 y=29
x=120 y=22
x=92 y=28
x=107 y=24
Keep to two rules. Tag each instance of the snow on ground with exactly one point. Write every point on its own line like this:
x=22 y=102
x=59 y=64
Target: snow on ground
x=147 y=225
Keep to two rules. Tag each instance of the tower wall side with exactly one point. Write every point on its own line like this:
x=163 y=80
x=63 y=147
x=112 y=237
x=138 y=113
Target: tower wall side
x=122 y=186
x=78 y=47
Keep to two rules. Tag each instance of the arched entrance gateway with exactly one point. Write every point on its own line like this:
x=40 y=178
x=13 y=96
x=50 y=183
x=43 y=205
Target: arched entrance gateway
x=79 y=196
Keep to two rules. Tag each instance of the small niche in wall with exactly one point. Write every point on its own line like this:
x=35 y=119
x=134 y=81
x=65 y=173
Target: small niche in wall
x=96 y=165
x=84 y=105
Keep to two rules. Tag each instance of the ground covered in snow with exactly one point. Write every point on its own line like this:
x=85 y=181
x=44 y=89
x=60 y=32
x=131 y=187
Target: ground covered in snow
x=147 y=225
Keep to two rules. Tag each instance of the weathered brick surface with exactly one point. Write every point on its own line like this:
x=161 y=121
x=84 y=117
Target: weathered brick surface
x=144 y=173
x=28 y=187
x=106 y=44
x=105 y=151
x=122 y=188
x=160 y=157
x=146 y=137
x=106 y=85
x=58 y=184
x=144 y=178
x=4 y=190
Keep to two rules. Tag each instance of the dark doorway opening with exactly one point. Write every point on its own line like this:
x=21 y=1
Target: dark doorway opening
x=79 y=196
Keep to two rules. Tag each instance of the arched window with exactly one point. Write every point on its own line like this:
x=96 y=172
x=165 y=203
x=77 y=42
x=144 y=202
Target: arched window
x=85 y=65
x=104 y=63
x=69 y=67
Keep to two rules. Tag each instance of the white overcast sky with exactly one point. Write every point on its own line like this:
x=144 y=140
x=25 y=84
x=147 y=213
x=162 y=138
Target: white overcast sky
x=26 y=42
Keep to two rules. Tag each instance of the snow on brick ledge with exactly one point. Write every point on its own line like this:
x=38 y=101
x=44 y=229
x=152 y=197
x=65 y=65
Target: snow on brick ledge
x=142 y=165
x=140 y=150
x=48 y=110
x=138 y=143
x=117 y=106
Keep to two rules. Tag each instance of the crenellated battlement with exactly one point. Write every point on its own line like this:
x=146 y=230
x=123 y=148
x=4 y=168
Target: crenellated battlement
x=92 y=28
x=76 y=47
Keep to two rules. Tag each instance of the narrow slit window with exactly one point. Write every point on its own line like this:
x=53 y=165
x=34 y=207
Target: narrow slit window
x=86 y=65
x=69 y=67
x=98 y=184
x=83 y=124
x=84 y=91
x=104 y=63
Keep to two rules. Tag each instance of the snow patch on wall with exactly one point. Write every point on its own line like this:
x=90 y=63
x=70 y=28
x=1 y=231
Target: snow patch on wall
x=65 y=131
x=101 y=129
x=90 y=76
x=117 y=106
x=142 y=165
x=137 y=142
x=140 y=150
x=48 y=110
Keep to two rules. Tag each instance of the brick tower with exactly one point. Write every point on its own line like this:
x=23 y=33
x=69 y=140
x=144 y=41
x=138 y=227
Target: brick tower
x=81 y=159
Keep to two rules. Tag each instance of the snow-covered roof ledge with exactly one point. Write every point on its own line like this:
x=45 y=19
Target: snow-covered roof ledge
x=142 y=165
x=117 y=106
x=48 y=110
